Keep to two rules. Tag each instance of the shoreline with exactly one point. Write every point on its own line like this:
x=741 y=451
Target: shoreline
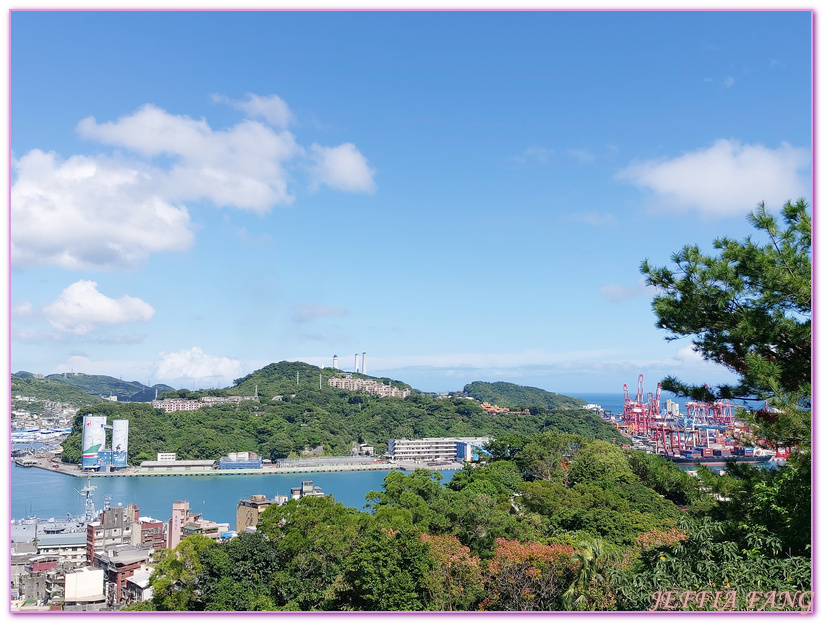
x=75 y=472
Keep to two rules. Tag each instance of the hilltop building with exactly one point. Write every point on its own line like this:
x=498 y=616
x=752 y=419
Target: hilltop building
x=375 y=388
x=169 y=405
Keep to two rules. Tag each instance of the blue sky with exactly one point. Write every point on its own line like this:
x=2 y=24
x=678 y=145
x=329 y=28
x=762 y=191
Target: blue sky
x=462 y=195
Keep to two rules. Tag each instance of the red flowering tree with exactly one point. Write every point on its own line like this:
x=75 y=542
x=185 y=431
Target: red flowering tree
x=528 y=576
x=455 y=581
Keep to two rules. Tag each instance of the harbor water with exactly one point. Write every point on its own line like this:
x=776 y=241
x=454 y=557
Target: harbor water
x=48 y=494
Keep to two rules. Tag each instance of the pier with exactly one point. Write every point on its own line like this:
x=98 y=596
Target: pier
x=75 y=471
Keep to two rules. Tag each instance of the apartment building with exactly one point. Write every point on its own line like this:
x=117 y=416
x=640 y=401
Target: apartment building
x=250 y=509
x=184 y=523
x=117 y=526
x=375 y=388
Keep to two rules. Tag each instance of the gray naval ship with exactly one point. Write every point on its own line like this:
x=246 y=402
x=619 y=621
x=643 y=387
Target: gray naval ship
x=30 y=528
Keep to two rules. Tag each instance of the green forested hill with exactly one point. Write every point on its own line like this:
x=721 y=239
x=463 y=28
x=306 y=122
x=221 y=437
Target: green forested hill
x=47 y=389
x=101 y=385
x=311 y=414
x=518 y=397
x=277 y=379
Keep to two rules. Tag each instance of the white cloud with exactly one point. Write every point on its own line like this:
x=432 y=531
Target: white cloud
x=307 y=313
x=78 y=363
x=104 y=212
x=535 y=152
x=563 y=371
x=594 y=218
x=505 y=360
x=132 y=338
x=728 y=81
x=89 y=213
x=689 y=356
x=194 y=364
x=583 y=156
x=80 y=308
x=726 y=179
x=23 y=309
x=241 y=167
x=616 y=293
x=342 y=168
x=262 y=238
x=30 y=336
x=269 y=107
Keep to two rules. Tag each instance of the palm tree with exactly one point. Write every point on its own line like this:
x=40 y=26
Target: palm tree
x=590 y=555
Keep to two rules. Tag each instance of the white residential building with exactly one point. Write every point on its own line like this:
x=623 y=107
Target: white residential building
x=434 y=448
x=369 y=386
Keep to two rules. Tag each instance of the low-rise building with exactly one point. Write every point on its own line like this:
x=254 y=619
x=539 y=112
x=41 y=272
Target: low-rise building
x=84 y=589
x=177 y=466
x=241 y=460
x=306 y=489
x=250 y=509
x=119 y=563
x=137 y=587
x=434 y=448
x=152 y=533
x=170 y=405
x=184 y=523
x=118 y=525
x=54 y=585
x=70 y=547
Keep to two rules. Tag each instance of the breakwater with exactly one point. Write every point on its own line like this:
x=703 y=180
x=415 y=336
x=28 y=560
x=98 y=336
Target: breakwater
x=304 y=468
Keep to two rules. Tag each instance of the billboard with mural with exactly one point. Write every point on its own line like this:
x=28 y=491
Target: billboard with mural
x=119 y=442
x=94 y=439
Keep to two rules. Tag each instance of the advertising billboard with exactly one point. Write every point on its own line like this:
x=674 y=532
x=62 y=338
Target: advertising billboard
x=119 y=442
x=94 y=439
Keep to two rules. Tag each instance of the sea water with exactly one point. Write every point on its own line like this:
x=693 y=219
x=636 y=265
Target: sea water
x=47 y=494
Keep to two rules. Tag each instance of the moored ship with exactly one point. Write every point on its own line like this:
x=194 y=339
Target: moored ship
x=714 y=461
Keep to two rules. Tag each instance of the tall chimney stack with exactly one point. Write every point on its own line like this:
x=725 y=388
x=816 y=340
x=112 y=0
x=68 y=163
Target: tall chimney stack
x=364 y=364
x=356 y=369
x=334 y=362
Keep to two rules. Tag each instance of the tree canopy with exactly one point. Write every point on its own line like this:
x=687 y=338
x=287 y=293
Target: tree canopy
x=557 y=522
x=748 y=308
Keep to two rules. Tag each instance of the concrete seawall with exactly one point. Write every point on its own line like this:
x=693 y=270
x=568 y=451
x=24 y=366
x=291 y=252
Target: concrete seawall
x=75 y=471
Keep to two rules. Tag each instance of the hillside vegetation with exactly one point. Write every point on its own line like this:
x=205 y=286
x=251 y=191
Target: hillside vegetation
x=94 y=384
x=293 y=416
x=514 y=396
x=47 y=389
x=550 y=521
